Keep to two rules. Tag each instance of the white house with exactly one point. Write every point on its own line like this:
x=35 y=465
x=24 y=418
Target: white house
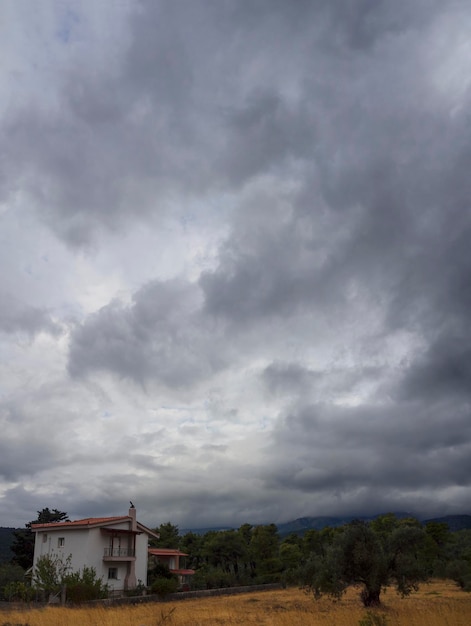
x=117 y=547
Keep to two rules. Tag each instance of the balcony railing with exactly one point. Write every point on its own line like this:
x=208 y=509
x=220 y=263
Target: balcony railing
x=117 y=552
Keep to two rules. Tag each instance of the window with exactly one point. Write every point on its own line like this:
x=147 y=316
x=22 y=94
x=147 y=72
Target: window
x=113 y=573
x=44 y=537
x=60 y=542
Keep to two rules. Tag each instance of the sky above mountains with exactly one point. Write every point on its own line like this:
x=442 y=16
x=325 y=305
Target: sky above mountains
x=234 y=242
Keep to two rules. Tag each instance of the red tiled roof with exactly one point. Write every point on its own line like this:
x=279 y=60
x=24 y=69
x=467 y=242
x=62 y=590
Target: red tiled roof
x=183 y=572
x=166 y=552
x=88 y=521
x=93 y=522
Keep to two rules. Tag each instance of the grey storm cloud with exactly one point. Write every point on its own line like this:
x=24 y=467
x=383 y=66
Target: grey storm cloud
x=289 y=378
x=27 y=439
x=397 y=449
x=443 y=371
x=366 y=144
x=159 y=336
x=175 y=115
x=293 y=380
x=16 y=316
x=306 y=338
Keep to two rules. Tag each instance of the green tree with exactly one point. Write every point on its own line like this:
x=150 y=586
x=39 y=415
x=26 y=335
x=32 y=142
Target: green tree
x=209 y=577
x=290 y=555
x=434 y=552
x=264 y=553
x=52 y=573
x=316 y=542
x=291 y=558
x=169 y=536
x=369 y=556
x=192 y=545
x=245 y=532
x=49 y=573
x=225 y=549
x=23 y=542
x=10 y=573
x=384 y=525
x=458 y=556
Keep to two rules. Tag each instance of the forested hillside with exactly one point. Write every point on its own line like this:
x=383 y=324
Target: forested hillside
x=403 y=549
x=454 y=522
x=6 y=538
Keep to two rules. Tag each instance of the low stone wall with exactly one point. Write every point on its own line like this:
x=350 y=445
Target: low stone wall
x=225 y=591
x=184 y=595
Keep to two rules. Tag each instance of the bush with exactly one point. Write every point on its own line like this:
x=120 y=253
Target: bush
x=207 y=577
x=84 y=586
x=459 y=570
x=160 y=570
x=138 y=590
x=18 y=591
x=10 y=573
x=164 y=586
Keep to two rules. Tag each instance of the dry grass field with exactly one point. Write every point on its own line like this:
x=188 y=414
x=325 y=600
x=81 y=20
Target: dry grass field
x=436 y=604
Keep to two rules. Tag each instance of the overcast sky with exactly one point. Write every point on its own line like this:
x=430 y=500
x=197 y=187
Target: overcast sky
x=235 y=258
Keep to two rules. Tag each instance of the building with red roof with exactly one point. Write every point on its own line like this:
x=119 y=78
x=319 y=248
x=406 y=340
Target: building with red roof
x=116 y=547
x=171 y=558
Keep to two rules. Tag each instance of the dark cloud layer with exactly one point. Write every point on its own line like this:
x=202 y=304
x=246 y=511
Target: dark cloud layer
x=325 y=337
x=377 y=219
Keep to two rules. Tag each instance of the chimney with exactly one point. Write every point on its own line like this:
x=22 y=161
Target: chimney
x=132 y=515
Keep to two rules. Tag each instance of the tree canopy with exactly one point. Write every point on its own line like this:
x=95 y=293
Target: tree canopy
x=23 y=542
x=374 y=556
x=169 y=536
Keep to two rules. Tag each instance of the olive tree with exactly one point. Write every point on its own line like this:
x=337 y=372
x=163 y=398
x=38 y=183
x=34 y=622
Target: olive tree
x=359 y=555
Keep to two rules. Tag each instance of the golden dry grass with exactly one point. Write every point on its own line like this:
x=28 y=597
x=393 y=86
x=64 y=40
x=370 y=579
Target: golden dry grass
x=436 y=604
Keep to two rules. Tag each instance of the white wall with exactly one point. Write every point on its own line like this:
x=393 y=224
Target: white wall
x=75 y=544
x=142 y=545
x=86 y=548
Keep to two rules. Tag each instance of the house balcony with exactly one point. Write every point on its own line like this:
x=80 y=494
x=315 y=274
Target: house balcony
x=119 y=554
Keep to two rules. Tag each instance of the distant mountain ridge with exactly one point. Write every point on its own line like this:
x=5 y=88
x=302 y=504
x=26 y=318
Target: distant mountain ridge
x=203 y=531
x=455 y=522
x=303 y=524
